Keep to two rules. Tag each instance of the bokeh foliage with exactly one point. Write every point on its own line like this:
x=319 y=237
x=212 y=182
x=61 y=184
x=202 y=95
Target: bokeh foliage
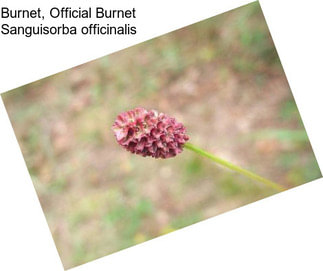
x=221 y=77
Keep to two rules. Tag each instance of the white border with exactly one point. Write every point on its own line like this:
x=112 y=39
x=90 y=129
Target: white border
x=35 y=58
x=283 y=232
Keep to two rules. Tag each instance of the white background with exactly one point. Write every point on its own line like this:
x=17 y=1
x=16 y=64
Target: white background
x=283 y=232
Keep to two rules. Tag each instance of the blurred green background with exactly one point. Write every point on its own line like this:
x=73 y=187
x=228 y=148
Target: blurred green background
x=221 y=77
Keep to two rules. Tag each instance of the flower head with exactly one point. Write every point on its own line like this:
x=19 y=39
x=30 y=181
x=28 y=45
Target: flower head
x=149 y=133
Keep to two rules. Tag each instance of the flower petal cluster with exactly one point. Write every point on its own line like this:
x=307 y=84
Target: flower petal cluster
x=149 y=133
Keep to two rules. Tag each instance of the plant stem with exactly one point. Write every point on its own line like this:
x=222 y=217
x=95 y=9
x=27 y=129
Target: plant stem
x=234 y=167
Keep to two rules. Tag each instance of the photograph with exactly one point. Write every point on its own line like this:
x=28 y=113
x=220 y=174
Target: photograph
x=161 y=135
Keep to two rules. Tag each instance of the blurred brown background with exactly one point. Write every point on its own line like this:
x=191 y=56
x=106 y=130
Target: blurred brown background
x=221 y=77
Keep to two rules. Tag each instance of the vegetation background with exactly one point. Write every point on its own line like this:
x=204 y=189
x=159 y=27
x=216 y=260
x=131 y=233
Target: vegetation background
x=221 y=77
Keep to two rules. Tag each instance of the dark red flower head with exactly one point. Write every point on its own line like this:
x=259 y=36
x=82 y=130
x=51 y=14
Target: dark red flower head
x=149 y=133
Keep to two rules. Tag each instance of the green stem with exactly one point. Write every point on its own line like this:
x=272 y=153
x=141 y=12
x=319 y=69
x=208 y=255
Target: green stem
x=234 y=167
